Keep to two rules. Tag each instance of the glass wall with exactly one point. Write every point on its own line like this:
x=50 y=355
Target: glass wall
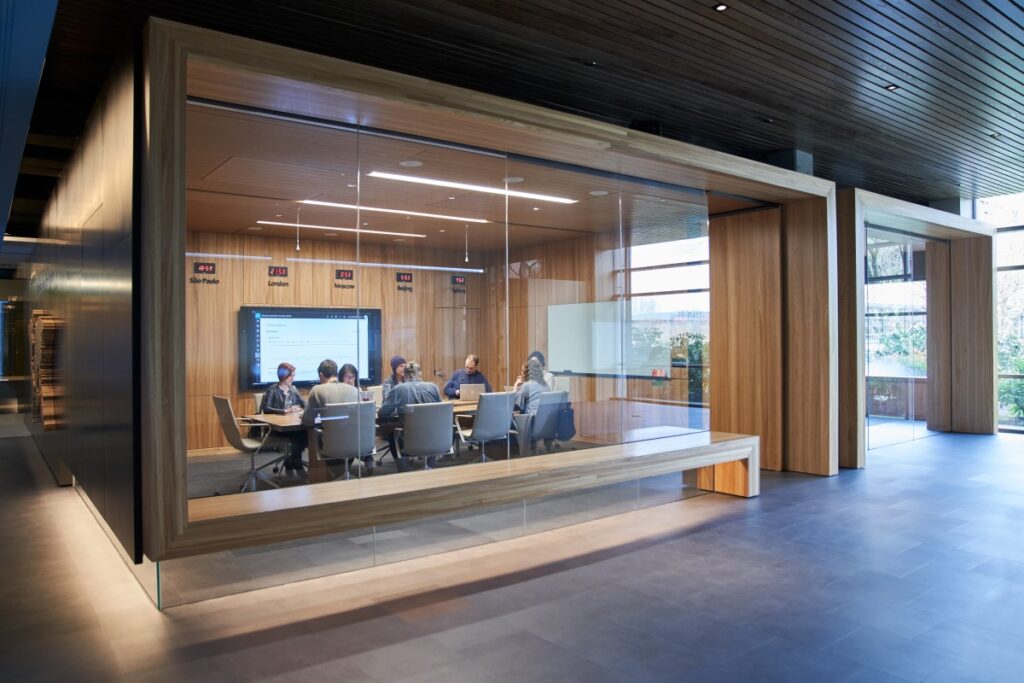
x=895 y=338
x=1007 y=214
x=362 y=303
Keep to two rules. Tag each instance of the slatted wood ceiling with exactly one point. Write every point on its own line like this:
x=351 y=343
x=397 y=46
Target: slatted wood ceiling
x=761 y=76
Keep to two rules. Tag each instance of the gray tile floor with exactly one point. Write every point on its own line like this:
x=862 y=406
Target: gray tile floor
x=910 y=570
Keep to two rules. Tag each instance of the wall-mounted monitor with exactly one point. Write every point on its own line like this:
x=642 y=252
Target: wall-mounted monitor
x=271 y=335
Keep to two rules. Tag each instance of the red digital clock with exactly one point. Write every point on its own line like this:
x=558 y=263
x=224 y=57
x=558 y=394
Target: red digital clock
x=459 y=280
x=277 y=271
x=342 y=274
x=403 y=277
x=204 y=268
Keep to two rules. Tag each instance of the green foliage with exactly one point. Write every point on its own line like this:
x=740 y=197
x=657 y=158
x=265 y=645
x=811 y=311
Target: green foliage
x=1011 y=361
x=907 y=345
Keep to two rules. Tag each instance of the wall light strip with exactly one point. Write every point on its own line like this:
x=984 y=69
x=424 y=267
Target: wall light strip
x=463 y=219
x=473 y=188
x=365 y=231
x=198 y=254
x=33 y=240
x=395 y=266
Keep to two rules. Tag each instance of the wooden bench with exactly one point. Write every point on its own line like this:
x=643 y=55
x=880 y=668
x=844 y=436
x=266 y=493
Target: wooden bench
x=729 y=463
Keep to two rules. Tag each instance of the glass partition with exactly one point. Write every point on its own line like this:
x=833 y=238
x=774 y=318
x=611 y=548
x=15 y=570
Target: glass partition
x=365 y=303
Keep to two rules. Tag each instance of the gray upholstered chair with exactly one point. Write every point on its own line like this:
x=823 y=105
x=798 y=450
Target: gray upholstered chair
x=545 y=421
x=349 y=432
x=491 y=422
x=230 y=425
x=427 y=431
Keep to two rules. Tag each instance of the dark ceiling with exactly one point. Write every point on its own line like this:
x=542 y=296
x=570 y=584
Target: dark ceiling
x=756 y=78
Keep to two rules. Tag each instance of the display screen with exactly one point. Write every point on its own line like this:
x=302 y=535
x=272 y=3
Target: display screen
x=277 y=271
x=459 y=280
x=342 y=274
x=204 y=268
x=403 y=277
x=269 y=336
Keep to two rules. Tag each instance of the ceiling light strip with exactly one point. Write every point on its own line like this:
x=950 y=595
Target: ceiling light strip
x=197 y=254
x=365 y=231
x=463 y=219
x=395 y=266
x=472 y=188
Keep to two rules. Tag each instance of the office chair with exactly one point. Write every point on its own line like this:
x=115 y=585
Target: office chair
x=427 y=430
x=491 y=422
x=349 y=433
x=230 y=424
x=545 y=421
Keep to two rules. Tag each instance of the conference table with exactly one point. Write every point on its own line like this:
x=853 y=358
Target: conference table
x=292 y=422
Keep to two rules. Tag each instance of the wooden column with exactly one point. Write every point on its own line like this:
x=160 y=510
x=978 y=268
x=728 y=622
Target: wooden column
x=850 y=232
x=939 y=337
x=809 y=404
x=746 y=332
x=973 y=348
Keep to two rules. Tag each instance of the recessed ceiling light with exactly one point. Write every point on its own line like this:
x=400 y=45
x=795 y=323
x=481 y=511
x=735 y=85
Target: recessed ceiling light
x=472 y=188
x=994 y=135
x=398 y=239
x=254 y=228
x=441 y=230
x=351 y=185
x=452 y=197
x=721 y=7
x=331 y=228
x=536 y=208
x=598 y=193
x=278 y=215
x=589 y=62
x=410 y=163
x=892 y=87
x=513 y=179
x=317 y=202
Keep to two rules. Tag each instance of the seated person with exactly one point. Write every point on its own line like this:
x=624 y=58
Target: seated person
x=349 y=375
x=528 y=393
x=395 y=378
x=470 y=375
x=330 y=390
x=548 y=377
x=412 y=390
x=528 y=398
x=281 y=399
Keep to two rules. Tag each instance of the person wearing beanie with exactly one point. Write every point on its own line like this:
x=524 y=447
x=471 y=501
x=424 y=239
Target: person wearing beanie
x=397 y=376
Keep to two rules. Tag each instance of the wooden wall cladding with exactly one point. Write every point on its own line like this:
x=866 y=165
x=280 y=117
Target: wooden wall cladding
x=746 y=330
x=939 y=386
x=810 y=406
x=972 y=316
x=432 y=324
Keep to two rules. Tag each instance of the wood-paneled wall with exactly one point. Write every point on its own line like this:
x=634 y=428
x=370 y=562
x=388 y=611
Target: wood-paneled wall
x=746 y=330
x=852 y=410
x=973 y=344
x=433 y=324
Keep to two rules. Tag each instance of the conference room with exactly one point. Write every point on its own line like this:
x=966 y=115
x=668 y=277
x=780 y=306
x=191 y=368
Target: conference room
x=546 y=308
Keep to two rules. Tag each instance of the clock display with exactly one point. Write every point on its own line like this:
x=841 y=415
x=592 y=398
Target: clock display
x=344 y=274
x=403 y=277
x=204 y=268
x=459 y=280
x=277 y=271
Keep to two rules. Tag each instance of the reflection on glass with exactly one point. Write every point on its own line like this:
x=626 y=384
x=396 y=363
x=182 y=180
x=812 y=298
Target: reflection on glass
x=895 y=338
x=1001 y=211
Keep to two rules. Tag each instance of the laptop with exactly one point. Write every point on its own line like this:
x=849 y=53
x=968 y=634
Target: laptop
x=470 y=392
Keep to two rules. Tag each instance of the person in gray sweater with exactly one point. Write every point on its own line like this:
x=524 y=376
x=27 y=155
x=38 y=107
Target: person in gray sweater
x=330 y=390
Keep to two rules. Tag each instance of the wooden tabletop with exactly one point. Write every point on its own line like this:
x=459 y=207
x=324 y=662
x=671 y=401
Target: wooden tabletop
x=281 y=423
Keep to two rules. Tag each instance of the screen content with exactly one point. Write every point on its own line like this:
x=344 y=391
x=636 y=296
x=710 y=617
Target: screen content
x=304 y=337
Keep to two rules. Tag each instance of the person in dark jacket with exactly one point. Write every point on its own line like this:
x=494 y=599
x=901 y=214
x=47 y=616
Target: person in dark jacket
x=396 y=377
x=470 y=375
x=412 y=390
x=283 y=398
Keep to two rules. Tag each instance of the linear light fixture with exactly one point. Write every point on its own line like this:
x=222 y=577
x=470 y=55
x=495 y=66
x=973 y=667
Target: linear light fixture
x=197 y=254
x=317 y=202
x=396 y=266
x=33 y=240
x=365 y=231
x=472 y=188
